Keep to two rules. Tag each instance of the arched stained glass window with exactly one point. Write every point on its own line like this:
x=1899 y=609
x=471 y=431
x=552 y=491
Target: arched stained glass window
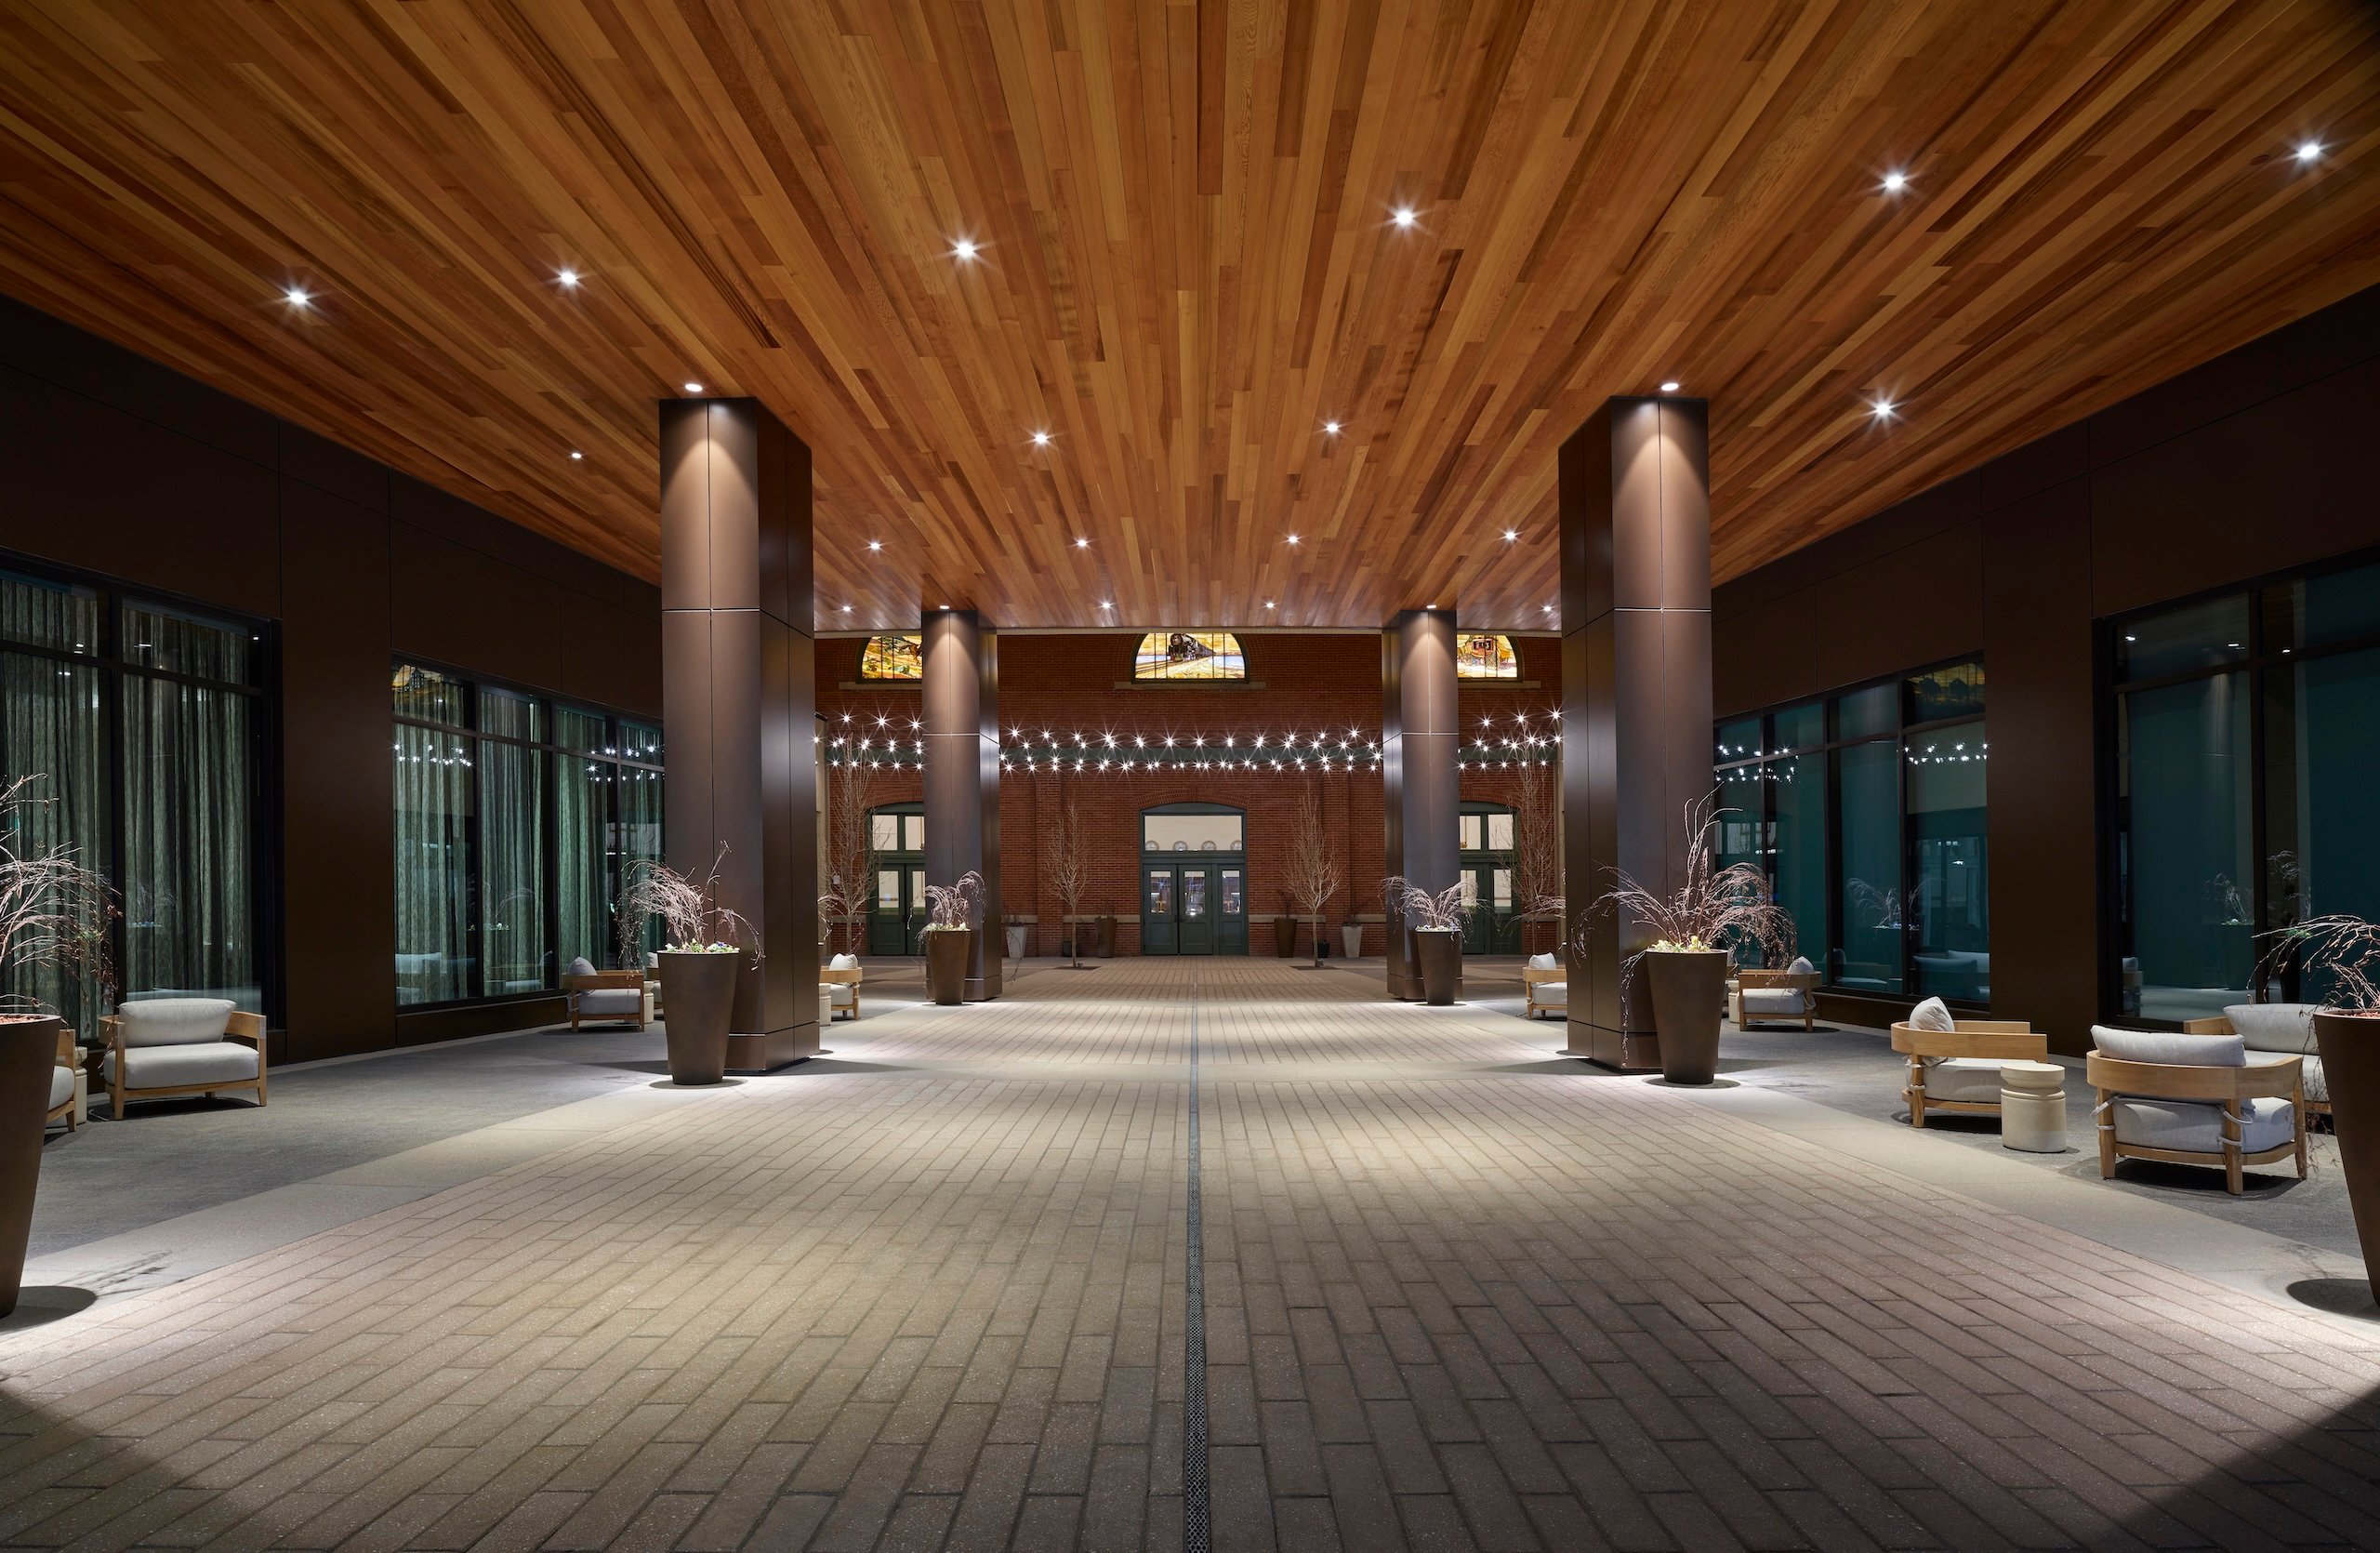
x=1482 y=655
x=1189 y=655
x=893 y=657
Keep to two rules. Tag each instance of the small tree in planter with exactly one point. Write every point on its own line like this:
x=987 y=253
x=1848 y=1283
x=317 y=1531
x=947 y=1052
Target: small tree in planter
x=1690 y=936
x=847 y=873
x=2344 y=950
x=1537 y=849
x=55 y=916
x=951 y=932
x=1436 y=920
x=1313 y=875
x=1069 y=863
x=700 y=941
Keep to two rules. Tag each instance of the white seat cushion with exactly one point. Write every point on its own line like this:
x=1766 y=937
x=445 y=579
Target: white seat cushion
x=61 y=1086
x=2196 y=1126
x=213 y=1062
x=1552 y=994
x=1775 y=1000
x=843 y=962
x=2171 y=1048
x=619 y=1002
x=845 y=995
x=2274 y=1027
x=1970 y=1080
x=1541 y=962
x=173 y=1021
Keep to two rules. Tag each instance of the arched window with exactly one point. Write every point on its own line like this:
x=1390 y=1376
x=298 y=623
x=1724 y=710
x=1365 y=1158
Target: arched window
x=893 y=657
x=1189 y=655
x=1484 y=654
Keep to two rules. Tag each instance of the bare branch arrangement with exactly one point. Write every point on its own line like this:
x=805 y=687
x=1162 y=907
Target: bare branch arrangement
x=53 y=910
x=1069 y=863
x=1442 y=912
x=1711 y=908
x=1537 y=849
x=693 y=920
x=2347 y=947
x=847 y=873
x=1313 y=873
x=951 y=907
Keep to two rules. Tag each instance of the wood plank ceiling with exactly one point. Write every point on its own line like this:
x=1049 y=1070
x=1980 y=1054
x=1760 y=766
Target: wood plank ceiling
x=1189 y=260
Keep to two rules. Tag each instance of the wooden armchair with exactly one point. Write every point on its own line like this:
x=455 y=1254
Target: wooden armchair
x=159 y=1048
x=1547 y=988
x=1958 y=1070
x=1764 y=995
x=610 y=996
x=2196 y=1098
x=843 y=985
x=67 y=1081
x=2275 y=1028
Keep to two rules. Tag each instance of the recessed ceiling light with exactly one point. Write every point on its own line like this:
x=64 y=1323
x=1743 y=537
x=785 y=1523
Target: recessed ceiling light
x=1895 y=182
x=1549 y=609
x=1510 y=535
x=876 y=544
x=847 y=609
x=1081 y=542
x=577 y=454
x=694 y=387
x=1268 y=603
x=1040 y=438
x=2312 y=150
x=1330 y=428
x=296 y=296
x=1882 y=409
x=1106 y=604
x=1293 y=538
x=568 y=278
x=1669 y=388
x=963 y=250
x=1403 y=216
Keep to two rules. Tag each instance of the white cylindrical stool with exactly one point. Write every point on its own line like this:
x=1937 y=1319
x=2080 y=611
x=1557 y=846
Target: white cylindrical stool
x=2032 y=1106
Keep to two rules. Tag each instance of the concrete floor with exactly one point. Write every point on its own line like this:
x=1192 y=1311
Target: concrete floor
x=935 y=1290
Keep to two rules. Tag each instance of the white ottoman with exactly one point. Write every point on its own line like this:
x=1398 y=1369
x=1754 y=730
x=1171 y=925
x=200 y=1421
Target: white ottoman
x=2032 y=1106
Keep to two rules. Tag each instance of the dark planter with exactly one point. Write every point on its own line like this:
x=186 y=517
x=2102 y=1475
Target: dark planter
x=1285 y=936
x=947 y=964
x=28 y=1052
x=1688 y=988
x=2350 y=1047
x=1438 y=953
x=1106 y=937
x=699 y=992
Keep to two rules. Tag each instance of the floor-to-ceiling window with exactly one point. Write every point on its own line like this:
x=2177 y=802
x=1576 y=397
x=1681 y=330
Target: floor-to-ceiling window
x=140 y=723
x=2247 y=727
x=1866 y=810
x=514 y=819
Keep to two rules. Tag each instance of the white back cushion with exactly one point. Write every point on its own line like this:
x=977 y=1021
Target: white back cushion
x=1802 y=966
x=1931 y=1014
x=579 y=967
x=1541 y=962
x=2274 y=1027
x=843 y=962
x=2171 y=1048
x=174 y=1021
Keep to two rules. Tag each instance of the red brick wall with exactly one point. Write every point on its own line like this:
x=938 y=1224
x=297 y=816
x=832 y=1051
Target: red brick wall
x=1311 y=684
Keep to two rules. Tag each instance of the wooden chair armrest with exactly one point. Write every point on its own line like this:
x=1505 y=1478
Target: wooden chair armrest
x=839 y=978
x=596 y=981
x=1994 y=1027
x=248 y=1028
x=2008 y=1043
x=110 y=1030
x=2166 y=1081
x=2219 y=1025
x=2271 y=1080
x=69 y=1055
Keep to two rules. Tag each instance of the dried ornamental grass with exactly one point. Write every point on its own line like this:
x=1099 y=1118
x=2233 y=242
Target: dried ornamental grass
x=692 y=919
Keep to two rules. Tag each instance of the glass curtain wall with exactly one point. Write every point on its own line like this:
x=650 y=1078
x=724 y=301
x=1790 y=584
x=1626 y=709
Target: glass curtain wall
x=137 y=724
x=514 y=818
x=2246 y=731
x=1866 y=810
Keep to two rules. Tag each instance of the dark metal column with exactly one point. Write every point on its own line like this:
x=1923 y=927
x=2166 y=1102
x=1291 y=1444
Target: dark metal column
x=1421 y=788
x=1635 y=503
x=963 y=786
x=739 y=691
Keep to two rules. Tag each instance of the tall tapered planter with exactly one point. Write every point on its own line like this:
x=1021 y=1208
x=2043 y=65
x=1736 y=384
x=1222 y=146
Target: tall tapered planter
x=28 y=1054
x=947 y=963
x=1687 y=987
x=699 y=992
x=2350 y=1047
x=1438 y=953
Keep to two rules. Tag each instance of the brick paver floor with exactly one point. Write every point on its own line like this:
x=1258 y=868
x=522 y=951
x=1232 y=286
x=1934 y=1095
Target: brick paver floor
x=1458 y=1294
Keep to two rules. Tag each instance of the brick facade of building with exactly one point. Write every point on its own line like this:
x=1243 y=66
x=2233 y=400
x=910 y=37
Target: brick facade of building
x=1299 y=684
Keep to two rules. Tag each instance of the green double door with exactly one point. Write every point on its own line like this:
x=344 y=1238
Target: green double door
x=1194 y=908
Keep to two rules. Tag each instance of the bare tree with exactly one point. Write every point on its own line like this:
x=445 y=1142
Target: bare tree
x=1314 y=874
x=1068 y=860
x=1537 y=844
x=847 y=873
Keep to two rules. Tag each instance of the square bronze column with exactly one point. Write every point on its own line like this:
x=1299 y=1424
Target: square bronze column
x=962 y=776
x=1636 y=508
x=739 y=692
x=1421 y=787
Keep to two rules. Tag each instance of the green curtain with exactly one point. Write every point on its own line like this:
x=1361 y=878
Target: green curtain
x=434 y=865
x=188 y=824
x=582 y=831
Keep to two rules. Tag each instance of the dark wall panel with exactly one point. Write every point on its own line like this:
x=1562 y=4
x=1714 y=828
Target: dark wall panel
x=1919 y=604
x=610 y=656
x=452 y=604
x=58 y=354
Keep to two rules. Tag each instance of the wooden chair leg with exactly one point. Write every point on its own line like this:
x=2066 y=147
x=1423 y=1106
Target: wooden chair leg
x=1917 y=1092
x=2297 y=1107
x=2107 y=1137
x=2232 y=1142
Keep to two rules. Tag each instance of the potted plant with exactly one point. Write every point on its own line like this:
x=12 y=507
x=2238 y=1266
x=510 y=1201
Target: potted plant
x=1068 y=857
x=1690 y=936
x=1436 y=924
x=1015 y=931
x=55 y=913
x=697 y=961
x=1313 y=869
x=950 y=936
x=1351 y=937
x=2344 y=950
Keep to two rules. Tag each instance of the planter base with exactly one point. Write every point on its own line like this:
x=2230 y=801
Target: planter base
x=1438 y=961
x=1685 y=987
x=2350 y=1046
x=28 y=1053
